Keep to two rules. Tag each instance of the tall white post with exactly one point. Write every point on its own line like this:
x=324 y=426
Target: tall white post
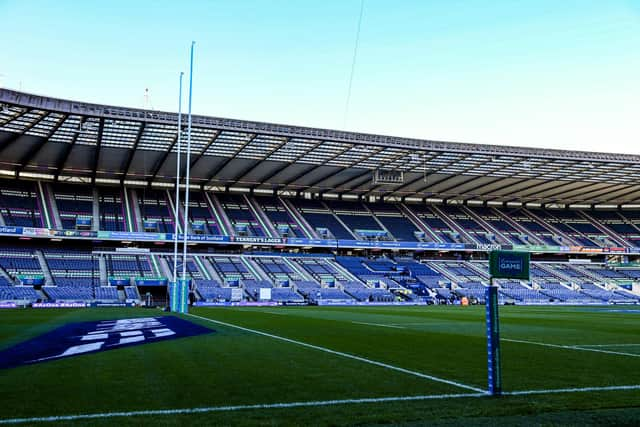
x=186 y=197
x=177 y=201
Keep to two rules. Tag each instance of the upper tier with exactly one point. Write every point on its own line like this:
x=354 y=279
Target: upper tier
x=54 y=139
x=126 y=209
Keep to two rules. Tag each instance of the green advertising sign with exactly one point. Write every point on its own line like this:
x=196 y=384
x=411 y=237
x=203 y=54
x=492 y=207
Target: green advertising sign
x=509 y=265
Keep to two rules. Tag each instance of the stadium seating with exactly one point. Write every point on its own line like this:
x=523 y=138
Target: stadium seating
x=241 y=215
x=73 y=203
x=111 y=210
x=155 y=209
x=19 y=204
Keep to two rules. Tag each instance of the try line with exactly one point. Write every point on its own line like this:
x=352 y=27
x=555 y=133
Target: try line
x=287 y=405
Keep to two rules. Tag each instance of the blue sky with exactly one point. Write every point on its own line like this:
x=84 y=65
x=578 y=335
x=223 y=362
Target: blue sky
x=555 y=74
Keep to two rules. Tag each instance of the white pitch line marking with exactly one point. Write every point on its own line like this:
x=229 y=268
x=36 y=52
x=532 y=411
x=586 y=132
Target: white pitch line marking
x=201 y=410
x=574 y=390
x=286 y=405
x=570 y=347
x=382 y=325
x=347 y=355
x=607 y=345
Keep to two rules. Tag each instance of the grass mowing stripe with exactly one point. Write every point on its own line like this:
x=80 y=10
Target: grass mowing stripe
x=379 y=324
x=570 y=347
x=285 y=405
x=347 y=355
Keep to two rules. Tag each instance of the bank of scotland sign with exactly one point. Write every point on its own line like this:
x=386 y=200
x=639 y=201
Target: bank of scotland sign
x=509 y=265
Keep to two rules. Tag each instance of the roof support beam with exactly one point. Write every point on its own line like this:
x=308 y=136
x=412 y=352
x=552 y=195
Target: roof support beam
x=590 y=193
x=132 y=151
x=67 y=151
x=347 y=181
x=614 y=194
x=535 y=186
x=327 y=176
x=459 y=184
x=359 y=182
x=287 y=165
x=201 y=155
x=96 y=157
x=315 y=168
x=479 y=186
x=244 y=172
x=222 y=165
x=39 y=146
x=566 y=190
x=437 y=182
x=163 y=159
x=17 y=135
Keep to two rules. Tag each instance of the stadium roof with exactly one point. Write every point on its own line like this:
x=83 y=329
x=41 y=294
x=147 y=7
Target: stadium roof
x=48 y=138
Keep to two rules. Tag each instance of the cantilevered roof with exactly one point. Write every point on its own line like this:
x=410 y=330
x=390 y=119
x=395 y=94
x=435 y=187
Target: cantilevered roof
x=48 y=138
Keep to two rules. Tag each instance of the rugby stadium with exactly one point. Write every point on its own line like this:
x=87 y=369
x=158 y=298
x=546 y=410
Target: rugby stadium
x=334 y=277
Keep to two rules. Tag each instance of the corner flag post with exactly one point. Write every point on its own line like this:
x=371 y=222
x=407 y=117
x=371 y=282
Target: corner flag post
x=502 y=265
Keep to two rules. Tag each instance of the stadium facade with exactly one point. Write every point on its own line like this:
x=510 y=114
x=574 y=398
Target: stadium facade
x=286 y=214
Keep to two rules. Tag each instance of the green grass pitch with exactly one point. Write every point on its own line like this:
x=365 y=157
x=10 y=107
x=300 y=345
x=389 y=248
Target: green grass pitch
x=411 y=365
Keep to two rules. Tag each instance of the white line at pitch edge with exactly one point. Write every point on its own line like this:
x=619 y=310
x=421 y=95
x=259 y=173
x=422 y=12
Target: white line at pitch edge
x=382 y=325
x=606 y=345
x=347 y=355
x=286 y=405
x=569 y=347
x=187 y=411
x=573 y=390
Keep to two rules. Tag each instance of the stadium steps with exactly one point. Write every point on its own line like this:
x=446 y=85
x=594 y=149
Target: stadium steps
x=474 y=266
x=515 y=224
x=501 y=238
x=218 y=210
x=254 y=268
x=298 y=269
x=129 y=223
x=165 y=269
x=51 y=205
x=341 y=222
x=45 y=211
x=260 y=216
x=453 y=225
x=171 y=204
x=434 y=265
x=303 y=225
x=586 y=272
x=611 y=235
x=418 y=223
x=377 y=220
x=550 y=227
x=104 y=276
x=5 y=274
x=95 y=205
x=627 y=221
x=204 y=272
x=213 y=274
x=44 y=266
x=135 y=209
x=555 y=273
x=346 y=273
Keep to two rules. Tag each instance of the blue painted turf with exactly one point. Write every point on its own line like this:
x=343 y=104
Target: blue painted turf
x=91 y=337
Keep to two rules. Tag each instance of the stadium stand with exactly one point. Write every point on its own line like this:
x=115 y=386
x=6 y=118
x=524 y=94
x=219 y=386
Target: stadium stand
x=301 y=211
